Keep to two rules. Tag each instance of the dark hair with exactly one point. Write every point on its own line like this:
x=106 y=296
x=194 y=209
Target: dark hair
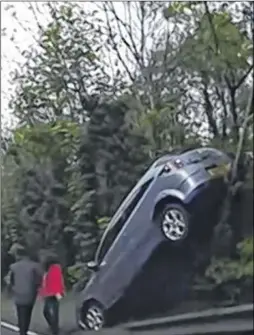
x=21 y=252
x=50 y=260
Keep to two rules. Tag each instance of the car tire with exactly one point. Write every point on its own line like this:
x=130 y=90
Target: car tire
x=174 y=221
x=92 y=317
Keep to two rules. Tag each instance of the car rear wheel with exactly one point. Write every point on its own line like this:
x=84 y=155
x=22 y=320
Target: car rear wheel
x=174 y=222
x=92 y=317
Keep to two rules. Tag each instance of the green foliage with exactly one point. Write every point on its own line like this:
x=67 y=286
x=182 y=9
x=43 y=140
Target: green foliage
x=228 y=276
x=160 y=128
x=49 y=140
x=78 y=274
x=34 y=205
x=87 y=129
x=58 y=75
x=102 y=223
x=75 y=274
x=224 y=46
x=178 y=8
x=215 y=59
x=246 y=255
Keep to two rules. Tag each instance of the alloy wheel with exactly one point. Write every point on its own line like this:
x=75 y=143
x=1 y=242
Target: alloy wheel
x=174 y=225
x=94 y=318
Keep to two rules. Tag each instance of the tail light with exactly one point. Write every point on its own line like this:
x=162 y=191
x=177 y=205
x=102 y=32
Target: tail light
x=173 y=165
x=167 y=167
x=178 y=163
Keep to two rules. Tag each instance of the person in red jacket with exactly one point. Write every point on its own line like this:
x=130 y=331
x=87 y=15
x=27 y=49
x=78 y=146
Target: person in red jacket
x=52 y=290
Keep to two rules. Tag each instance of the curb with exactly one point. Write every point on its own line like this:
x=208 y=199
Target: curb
x=242 y=311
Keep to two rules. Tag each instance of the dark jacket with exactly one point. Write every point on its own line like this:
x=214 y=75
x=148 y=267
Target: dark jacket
x=26 y=276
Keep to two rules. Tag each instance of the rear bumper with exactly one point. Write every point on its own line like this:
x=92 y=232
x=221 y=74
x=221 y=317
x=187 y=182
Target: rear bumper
x=206 y=205
x=202 y=187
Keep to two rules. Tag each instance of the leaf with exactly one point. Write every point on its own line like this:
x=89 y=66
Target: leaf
x=177 y=7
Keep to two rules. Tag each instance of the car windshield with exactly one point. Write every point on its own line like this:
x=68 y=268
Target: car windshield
x=118 y=220
x=114 y=227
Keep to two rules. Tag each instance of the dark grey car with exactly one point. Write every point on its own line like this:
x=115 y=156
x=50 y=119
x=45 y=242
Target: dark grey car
x=164 y=205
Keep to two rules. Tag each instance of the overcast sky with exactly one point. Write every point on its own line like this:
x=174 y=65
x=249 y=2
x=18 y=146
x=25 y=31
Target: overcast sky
x=20 y=27
x=10 y=53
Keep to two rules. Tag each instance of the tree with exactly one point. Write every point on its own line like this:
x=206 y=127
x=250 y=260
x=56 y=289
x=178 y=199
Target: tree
x=100 y=96
x=35 y=205
x=132 y=40
x=218 y=66
x=202 y=100
x=70 y=166
x=144 y=47
x=63 y=71
x=106 y=156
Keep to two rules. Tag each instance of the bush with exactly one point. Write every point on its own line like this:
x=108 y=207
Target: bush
x=224 y=270
x=76 y=276
x=230 y=278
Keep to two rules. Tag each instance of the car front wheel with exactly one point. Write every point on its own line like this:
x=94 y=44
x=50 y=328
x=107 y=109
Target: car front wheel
x=92 y=317
x=174 y=222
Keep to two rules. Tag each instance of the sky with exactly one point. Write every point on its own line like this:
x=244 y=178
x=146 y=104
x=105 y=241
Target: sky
x=19 y=22
x=20 y=31
x=19 y=25
x=10 y=49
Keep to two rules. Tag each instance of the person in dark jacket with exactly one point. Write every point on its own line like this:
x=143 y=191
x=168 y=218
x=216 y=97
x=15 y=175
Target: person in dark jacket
x=25 y=279
x=52 y=290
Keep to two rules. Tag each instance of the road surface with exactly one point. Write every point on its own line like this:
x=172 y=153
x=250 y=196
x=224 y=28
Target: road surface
x=232 y=327
x=5 y=331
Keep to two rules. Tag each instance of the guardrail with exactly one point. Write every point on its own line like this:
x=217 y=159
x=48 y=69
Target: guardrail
x=227 y=320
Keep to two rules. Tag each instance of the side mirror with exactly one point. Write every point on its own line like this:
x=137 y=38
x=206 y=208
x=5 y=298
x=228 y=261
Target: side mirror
x=93 y=266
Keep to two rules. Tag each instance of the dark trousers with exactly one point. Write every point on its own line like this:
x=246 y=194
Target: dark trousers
x=24 y=313
x=51 y=313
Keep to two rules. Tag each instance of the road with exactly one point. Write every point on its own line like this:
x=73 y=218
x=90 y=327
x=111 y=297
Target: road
x=232 y=327
x=114 y=331
x=5 y=331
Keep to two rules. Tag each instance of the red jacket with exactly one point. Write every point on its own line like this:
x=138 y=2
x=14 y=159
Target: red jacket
x=52 y=283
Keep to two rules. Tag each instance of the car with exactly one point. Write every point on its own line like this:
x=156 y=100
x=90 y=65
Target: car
x=176 y=200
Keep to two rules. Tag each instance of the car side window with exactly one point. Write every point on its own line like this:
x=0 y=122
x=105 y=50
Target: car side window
x=113 y=232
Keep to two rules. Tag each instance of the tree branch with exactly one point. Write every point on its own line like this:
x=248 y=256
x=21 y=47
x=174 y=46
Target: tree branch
x=221 y=96
x=131 y=47
x=209 y=109
x=114 y=45
x=241 y=81
x=142 y=29
x=210 y=19
x=247 y=117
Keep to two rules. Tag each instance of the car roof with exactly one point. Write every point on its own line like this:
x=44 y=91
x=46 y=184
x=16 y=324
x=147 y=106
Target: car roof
x=157 y=165
x=173 y=153
x=153 y=169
